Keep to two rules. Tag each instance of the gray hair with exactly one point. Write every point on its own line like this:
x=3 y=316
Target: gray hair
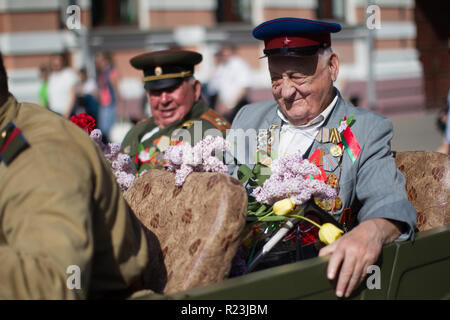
x=325 y=53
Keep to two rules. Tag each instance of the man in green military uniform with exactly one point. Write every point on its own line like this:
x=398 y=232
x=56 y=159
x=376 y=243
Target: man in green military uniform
x=65 y=230
x=178 y=112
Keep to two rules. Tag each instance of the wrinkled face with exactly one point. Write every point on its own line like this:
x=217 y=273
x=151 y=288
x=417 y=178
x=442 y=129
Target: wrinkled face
x=173 y=104
x=302 y=85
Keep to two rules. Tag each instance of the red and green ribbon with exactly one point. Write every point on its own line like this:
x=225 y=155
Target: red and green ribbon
x=349 y=141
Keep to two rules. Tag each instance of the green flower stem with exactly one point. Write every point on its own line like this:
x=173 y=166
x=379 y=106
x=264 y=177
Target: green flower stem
x=259 y=219
x=306 y=219
x=251 y=254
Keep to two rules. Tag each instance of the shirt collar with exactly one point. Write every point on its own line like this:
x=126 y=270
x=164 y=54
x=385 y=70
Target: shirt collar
x=317 y=121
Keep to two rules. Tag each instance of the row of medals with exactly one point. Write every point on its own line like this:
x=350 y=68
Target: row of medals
x=331 y=135
x=326 y=135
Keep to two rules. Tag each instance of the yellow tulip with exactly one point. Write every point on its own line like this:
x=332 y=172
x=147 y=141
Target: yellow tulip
x=328 y=233
x=283 y=207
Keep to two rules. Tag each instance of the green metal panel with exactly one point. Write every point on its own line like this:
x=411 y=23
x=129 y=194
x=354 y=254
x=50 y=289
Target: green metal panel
x=291 y=281
x=422 y=269
x=408 y=271
x=301 y=280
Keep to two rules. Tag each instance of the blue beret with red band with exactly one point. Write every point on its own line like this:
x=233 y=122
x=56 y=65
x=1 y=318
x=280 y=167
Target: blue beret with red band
x=294 y=35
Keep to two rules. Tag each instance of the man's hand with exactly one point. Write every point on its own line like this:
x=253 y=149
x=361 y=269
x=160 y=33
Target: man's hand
x=355 y=251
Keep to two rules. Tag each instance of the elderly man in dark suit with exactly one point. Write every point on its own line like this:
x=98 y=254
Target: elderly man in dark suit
x=353 y=143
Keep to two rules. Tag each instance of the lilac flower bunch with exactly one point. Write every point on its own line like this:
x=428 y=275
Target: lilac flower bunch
x=184 y=159
x=120 y=163
x=290 y=178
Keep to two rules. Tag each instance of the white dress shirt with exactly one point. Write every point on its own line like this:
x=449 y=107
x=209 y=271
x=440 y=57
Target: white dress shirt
x=294 y=138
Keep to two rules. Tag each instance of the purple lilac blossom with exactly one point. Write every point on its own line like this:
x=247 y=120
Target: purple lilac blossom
x=184 y=159
x=121 y=164
x=290 y=179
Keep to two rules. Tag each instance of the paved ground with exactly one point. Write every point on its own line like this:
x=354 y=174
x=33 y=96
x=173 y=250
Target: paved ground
x=416 y=131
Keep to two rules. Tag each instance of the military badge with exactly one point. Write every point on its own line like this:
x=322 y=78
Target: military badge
x=332 y=180
x=329 y=163
x=323 y=136
x=188 y=124
x=264 y=143
x=336 y=151
x=158 y=71
x=335 y=136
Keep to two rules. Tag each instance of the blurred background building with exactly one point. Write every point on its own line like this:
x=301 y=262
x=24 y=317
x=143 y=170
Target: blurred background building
x=400 y=66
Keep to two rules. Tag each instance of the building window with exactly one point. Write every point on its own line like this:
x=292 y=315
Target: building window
x=114 y=13
x=234 y=11
x=331 y=10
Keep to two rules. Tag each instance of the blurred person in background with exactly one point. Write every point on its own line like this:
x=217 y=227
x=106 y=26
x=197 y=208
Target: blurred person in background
x=229 y=83
x=61 y=86
x=86 y=96
x=109 y=97
x=44 y=72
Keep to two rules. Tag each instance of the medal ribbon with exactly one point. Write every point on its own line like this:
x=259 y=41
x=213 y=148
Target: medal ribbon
x=316 y=158
x=350 y=143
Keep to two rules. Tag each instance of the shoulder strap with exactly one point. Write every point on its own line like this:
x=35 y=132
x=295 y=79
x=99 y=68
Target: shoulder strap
x=12 y=143
x=216 y=120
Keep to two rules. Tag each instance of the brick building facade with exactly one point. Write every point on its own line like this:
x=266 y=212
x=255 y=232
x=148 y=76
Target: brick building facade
x=31 y=31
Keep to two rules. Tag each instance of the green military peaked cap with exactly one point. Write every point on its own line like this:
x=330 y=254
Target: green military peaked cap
x=167 y=68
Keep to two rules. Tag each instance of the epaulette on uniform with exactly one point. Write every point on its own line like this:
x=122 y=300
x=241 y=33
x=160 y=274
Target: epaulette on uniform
x=12 y=143
x=216 y=120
